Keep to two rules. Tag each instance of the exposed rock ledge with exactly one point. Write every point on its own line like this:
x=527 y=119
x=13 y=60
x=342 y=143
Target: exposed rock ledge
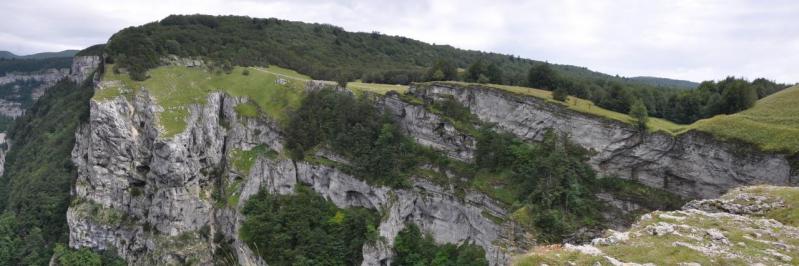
x=693 y=164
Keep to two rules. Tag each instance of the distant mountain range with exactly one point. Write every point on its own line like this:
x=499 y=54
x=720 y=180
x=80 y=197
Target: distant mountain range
x=65 y=53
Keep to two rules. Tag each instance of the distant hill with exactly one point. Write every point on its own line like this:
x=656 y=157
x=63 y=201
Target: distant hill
x=32 y=65
x=321 y=51
x=45 y=55
x=7 y=55
x=665 y=82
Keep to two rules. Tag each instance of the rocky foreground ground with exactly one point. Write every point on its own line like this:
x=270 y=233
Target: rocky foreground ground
x=747 y=226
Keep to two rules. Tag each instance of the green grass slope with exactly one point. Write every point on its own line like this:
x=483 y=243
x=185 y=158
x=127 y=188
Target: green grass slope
x=772 y=124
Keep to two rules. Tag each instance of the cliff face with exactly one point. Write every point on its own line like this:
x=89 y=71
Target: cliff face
x=21 y=86
x=151 y=198
x=692 y=164
x=35 y=84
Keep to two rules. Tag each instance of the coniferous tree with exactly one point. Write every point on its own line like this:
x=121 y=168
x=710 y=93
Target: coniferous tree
x=639 y=114
x=543 y=77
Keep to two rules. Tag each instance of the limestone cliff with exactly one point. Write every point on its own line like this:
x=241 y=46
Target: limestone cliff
x=36 y=84
x=150 y=197
x=21 y=86
x=693 y=164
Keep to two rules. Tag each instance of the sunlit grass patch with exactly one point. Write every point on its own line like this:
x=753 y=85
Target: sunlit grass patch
x=376 y=88
x=175 y=88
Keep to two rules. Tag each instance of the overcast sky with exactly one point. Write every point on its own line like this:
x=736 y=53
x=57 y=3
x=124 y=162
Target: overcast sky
x=693 y=40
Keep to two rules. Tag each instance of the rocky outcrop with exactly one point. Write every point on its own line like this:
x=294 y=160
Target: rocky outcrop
x=151 y=198
x=692 y=164
x=83 y=66
x=429 y=129
x=24 y=85
x=736 y=229
x=35 y=84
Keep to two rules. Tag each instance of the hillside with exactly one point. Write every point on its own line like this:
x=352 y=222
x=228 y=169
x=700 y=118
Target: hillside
x=320 y=50
x=772 y=124
x=33 y=65
x=747 y=226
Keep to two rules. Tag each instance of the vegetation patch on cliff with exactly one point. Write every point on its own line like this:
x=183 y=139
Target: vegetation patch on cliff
x=353 y=128
x=305 y=229
x=415 y=248
x=244 y=159
x=550 y=184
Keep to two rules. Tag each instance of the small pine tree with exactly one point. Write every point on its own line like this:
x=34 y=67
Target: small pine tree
x=639 y=114
x=246 y=72
x=560 y=94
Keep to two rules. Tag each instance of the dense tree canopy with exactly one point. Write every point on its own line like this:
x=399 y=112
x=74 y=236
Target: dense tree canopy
x=35 y=187
x=31 y=65
x=414 y=248
x=354 y=128
x=552 y=178
x=305 y=229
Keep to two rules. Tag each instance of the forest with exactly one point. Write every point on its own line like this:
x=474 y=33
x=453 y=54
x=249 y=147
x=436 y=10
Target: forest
x=34 y=190
x=31 y=65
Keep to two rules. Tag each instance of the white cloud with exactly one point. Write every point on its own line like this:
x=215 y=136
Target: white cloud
x=694 y=40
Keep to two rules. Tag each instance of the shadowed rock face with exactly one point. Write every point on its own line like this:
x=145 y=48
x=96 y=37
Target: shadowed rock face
x=693 y=164
x=161 y=189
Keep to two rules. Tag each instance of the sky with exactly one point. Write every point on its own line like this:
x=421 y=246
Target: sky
x=691 y=40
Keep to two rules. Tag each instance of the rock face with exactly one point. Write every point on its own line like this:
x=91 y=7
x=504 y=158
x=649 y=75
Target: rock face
x=693 y=164
x=733 y=230
x=83 y=66
x=26 y=85
x=151 y=198
x=429 y=129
